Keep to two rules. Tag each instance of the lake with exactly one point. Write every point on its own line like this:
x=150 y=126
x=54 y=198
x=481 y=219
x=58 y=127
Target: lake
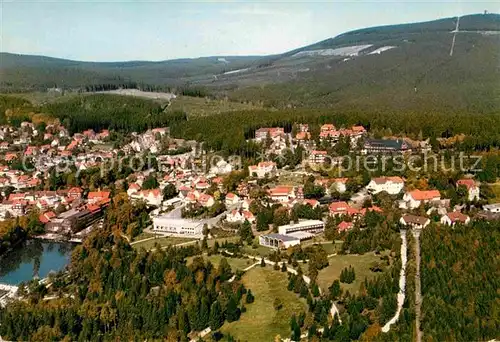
x=33 y=257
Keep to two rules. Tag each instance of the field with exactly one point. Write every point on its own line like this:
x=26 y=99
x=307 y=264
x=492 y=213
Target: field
x=496 y=190
x=142 y=236
x=163 y=242
x=261 y=322
x=361 y=264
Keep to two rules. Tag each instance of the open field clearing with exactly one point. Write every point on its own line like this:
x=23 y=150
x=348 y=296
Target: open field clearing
x=261 y=322
x=360 y=263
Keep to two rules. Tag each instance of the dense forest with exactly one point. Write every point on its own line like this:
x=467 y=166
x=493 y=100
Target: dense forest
x=112 y=291
x=460 y=282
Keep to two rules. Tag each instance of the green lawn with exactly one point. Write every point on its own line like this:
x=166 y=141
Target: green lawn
x=496 y=189
x=361 y=264
x=162 y=241
x=211 y=242
x=143 y=236
x=261 y=322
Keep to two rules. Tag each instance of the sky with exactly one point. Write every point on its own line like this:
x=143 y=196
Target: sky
x=158 y=30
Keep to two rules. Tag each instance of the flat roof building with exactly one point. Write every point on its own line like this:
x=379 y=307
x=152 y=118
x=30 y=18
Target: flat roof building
x=178 y=227
x=311 y=226
x=278 y=241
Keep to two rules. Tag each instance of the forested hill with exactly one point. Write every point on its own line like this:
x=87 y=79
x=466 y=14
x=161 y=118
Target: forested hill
x=408 y=67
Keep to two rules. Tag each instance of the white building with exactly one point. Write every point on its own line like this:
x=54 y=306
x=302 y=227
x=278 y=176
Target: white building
x=177 y=227
x=232 y=199
x=238 y=216
x=312 y=226
x=391 y=185
x=473 y=191
x=282 y=193
x=278 y=241
x=263 y=169
x=414 y=199
x=492 y=208
x=151 y=197
x=339 y=184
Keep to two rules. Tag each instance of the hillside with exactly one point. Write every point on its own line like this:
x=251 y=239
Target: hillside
x=397 y=67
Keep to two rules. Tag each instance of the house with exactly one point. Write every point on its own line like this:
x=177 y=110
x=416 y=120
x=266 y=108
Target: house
x=327 y=127
x=282 y=193
x=75 y=192
x=238 y=216
x=413 y=221
x=311 y=202
x=98 y=196
x=391 y=185
x=263 y=169
x=274 y=132
x=133 y=188
x=206 y=200
x=151 y=197
x=317 y=157
x=342 y=208
x=472 y=188
x=46 y=217
x=331 y=135
x=232 y=199
x=344 y=226
x=300 y=136
x=339 y=184
x=454 y=217
x=385 y=146
x=414 y=199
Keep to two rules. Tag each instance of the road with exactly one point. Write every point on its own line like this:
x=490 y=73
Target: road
x=402 y=283
x=418 y=289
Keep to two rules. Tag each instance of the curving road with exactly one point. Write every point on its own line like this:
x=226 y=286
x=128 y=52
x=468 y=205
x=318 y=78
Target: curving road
x=402 y=283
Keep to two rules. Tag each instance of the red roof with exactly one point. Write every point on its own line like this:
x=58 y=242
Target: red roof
x=419 y=195
x=457 y=216
x=98 y=194
x=337 y=207
x=343 y=226
x=468 y=183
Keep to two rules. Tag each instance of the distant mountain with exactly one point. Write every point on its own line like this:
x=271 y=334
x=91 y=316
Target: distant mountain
x=397 y=66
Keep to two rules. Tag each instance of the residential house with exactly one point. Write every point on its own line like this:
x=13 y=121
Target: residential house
x=282 y=193
x=414 y=221
x=415 y=198
x=472 y=188
x=455 y=217
x=263 y=169
x=344 y=226
x=391 y=185
x=274 y=132
x=317 y=157
x=232 y=199
x=238 y=216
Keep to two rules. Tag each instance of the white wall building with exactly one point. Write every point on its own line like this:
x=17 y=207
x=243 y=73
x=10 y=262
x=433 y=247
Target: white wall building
x=177 y=227
x=278 y=241
x=492 y=208
x=391 y=185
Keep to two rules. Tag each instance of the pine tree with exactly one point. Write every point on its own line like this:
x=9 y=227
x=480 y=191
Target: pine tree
x=283 y=267
x=250 y=297
x=216 y=316
x=232 y=310
x=294 y=326
x=262 y=263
